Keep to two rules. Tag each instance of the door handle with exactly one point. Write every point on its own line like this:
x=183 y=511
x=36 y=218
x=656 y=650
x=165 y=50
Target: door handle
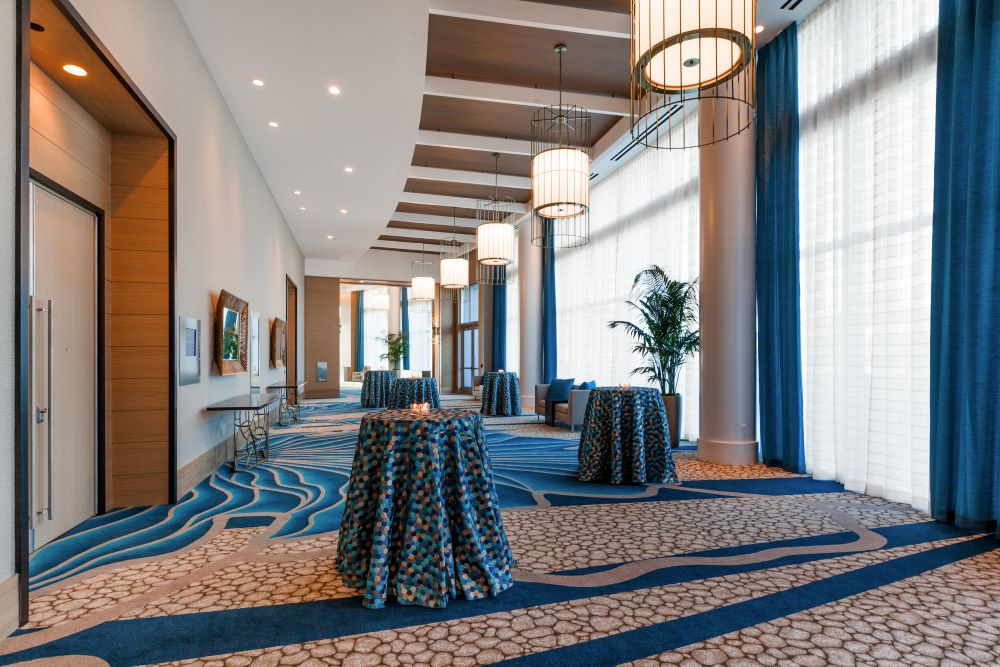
x=43 y=414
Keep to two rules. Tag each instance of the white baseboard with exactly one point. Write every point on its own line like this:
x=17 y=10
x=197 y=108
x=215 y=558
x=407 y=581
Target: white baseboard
x=9 y=606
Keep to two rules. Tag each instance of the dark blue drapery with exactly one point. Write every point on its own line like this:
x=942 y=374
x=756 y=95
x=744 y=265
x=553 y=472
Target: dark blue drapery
x=548 y=307
x=359 y=333
x=965 y=283
x=404 y=324
x=498 y=346
x=778 y=346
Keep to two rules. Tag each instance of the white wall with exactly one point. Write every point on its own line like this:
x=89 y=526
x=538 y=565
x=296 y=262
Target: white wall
x=373 y=265
x=230 y=232
x=8 y=131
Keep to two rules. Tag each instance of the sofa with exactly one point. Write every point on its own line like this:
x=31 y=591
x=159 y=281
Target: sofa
x=570 y=413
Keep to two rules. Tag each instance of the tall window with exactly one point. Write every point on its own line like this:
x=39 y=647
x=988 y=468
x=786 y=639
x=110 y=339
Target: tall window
x=644 y=213
x=866 y=103
x=421 y=358
x=376 y=326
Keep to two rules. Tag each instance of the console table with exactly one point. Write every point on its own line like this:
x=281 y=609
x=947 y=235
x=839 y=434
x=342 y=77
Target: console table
x=251 y=425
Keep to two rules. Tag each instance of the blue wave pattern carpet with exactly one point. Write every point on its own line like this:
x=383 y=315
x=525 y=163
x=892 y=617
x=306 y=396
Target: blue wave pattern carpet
x=737 y=566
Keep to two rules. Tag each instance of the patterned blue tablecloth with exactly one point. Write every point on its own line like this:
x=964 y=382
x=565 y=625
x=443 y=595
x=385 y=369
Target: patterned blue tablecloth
x=421 y=518
x=406 y=391
x=625 y=438
x=501 y=394
x=376 y=389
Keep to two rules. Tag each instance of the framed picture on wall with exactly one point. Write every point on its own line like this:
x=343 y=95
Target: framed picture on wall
x=231 y=334
x=279 y=343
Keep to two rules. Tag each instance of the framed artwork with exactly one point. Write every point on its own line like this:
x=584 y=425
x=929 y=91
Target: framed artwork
x=232 y=316
x=279 y=343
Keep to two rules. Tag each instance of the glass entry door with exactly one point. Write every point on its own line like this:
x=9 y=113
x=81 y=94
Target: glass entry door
x=470 y=358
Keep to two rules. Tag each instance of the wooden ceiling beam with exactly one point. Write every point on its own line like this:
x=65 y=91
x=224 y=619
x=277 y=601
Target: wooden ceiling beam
x=470 y=177
x=522 y=95
x=445 y=200
x=537 y=15
x=473 y=142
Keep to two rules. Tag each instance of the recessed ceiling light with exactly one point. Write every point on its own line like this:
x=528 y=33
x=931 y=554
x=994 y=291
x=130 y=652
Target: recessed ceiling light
x=273 y=124
x=329 y=236
x=75 y=70
x=343 y=211
x=296 y=192
x=302 y=208
x=759 y=29
x=257 y=82
x=334 y=90
x=349 y=170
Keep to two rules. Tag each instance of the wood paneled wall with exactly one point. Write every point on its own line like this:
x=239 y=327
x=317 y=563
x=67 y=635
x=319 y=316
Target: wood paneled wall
x=323 y=327
x=137 y=323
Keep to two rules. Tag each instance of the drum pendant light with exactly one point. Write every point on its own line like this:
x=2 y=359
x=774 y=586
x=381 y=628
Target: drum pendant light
x=685 y=53
x=454 y=264
x=560 y=173
x=495 y=235
x=422 y=283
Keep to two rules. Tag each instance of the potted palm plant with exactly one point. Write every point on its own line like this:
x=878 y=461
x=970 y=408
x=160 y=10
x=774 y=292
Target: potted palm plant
x=396 y=347
x=665 y=335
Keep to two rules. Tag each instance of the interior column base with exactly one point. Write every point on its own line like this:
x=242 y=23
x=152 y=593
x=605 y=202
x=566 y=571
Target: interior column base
x=727 y=453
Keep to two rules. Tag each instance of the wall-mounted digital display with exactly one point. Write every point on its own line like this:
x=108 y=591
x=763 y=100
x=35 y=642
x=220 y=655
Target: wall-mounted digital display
x=189 y=351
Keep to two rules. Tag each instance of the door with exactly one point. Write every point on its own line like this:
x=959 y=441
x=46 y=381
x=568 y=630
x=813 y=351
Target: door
x=470 y=359
x=292 y=334
x=63 y=365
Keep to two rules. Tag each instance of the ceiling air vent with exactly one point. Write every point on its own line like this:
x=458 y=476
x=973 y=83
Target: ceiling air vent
x=790 y=5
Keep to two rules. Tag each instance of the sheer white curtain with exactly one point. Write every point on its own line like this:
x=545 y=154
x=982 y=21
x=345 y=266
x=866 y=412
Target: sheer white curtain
x=644 y=213
x=866 y=103
x=513 y=317
x=420 y=335
x=376 y=307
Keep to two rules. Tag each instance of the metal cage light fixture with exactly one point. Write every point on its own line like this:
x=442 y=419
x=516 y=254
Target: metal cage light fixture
x=454 y=260
x=560 y=173
x=686 y=53
x=421 y=282
x=495 y=234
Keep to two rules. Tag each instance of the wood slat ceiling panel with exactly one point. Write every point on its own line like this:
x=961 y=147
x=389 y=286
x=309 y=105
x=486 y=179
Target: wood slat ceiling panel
x=617 y=6
x=430 y=209
x=100 y=93
x=458 y=230
x=465 y=160
x=472 y=190
x=507 y=121
x=522 y=56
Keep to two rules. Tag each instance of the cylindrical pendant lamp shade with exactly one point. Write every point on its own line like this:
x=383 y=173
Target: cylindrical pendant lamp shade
x=495 y=243
x=684 y=52
x=454 y=273
x=422 y=288
x=560 y=182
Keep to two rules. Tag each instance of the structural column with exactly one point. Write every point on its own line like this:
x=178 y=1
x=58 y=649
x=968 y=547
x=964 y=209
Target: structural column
x=728 y=408
x=529 y=285
x=394 y=311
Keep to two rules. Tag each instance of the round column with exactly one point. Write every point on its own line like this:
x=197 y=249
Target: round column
x=728 y=407
x=529 y=295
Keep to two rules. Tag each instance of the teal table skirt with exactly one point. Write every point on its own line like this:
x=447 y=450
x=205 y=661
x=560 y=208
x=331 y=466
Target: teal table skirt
x=376 y=389
x=422 y=519
x=406 y=391
x=501 y=394
x=625 y=438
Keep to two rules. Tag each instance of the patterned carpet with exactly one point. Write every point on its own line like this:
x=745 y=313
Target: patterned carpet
x=736 y=566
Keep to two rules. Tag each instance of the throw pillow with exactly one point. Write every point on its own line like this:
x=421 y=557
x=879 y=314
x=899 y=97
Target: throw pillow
x=559 y=390
x=588 y=385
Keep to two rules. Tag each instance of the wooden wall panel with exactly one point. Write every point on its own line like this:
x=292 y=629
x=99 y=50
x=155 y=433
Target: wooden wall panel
x=322 y=322
x=137 y=272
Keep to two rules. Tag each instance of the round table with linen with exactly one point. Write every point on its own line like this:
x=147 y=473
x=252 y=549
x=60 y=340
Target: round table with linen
x=501 y=394
x=407 y=391
x=376 y=389
x=422 y=519
x=625 y=438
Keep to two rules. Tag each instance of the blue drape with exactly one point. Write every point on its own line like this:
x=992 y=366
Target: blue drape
x=965 y=282
x=404 y=324
x=359 y=333
x=778 y=346
x=498 y=347
x=548 y=307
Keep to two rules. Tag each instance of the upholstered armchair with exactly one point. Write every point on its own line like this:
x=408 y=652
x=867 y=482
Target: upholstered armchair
x=569 y=413
x=359 y=376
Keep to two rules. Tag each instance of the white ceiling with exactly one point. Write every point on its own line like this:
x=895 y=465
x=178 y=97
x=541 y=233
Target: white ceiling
x=375 y=52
